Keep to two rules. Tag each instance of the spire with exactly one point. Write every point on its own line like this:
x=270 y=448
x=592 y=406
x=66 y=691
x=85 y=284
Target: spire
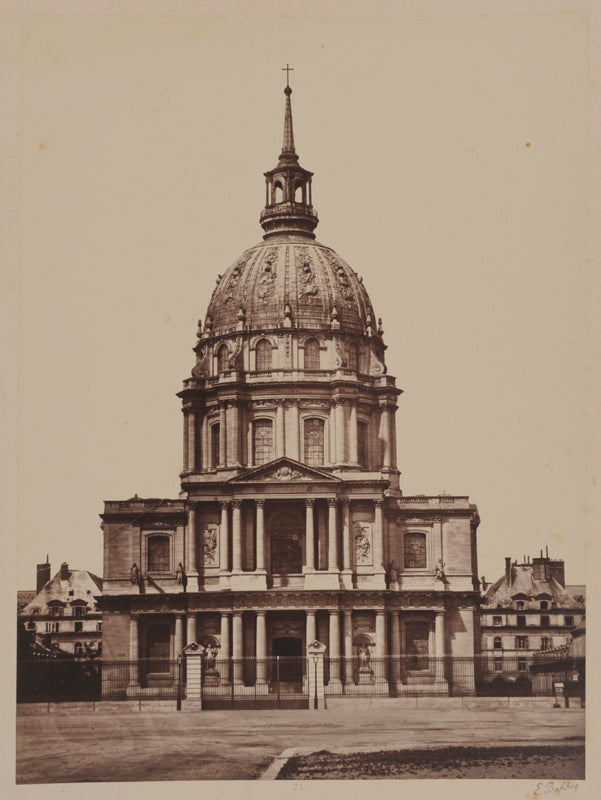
x=288 y=206
x=288 y=150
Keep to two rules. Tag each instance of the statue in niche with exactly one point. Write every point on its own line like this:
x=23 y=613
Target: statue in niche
x=440 y=576
x=180 y=576
x=363 y=653
x=211 y=653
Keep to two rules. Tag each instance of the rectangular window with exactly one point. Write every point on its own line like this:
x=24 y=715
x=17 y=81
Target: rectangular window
x=158 y=553
x=544 y=643
x=521 y=642
x=497 y=621
x=314 y=441
x=521 y=622
x=415 y=551
x=569 y=620
x=56 y=611
x=78 y=649
x=80 y=611
x=99 y=626
x=263 y=441
x=52 y=627
x=362 y=444
x=31 y=626
x=214 y=446
x=498 y=665
x=544 y=621
x=78 y=627
x=521 y=664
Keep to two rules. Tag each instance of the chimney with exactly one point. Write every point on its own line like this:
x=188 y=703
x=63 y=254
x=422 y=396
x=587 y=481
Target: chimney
x=556 y=570
x=484 y=583
x=508 y=570
x=42 y=576
x=65 y=571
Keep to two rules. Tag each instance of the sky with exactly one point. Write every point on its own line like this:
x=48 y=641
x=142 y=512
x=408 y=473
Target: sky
x=450 y=167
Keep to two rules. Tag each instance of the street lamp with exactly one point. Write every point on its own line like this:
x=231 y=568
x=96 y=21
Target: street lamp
x=315 y=660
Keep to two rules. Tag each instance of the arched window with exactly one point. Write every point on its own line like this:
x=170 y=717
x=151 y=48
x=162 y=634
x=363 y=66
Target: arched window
x=278 y=193
x=353 y=356
x=362 y=444
x=312 y=354
x=263 y=355
x=497 y=643
x=262 y=441
x=415 y=551
x=519 y=605
x=158 y=553
x=222 y=358
x=544 y=605
x=215 y=446
x=314 y=441
x=298 y=193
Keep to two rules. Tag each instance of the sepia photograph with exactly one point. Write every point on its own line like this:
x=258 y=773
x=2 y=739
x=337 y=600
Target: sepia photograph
x=304 y=396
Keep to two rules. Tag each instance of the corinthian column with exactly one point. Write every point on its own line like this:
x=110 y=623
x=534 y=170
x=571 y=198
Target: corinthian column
x=223 y=539
x=280 y=432
x=310 y=536
x=294 y=435
x=332 y=537
x=222 y=435
x=260 y=535
x=236 y=536
x=352 y=426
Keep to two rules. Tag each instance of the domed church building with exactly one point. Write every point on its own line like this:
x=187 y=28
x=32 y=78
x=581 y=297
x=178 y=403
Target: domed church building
x=291 y=526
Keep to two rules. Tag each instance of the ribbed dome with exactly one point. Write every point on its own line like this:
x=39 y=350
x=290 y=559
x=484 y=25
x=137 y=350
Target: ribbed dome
x=289 y=277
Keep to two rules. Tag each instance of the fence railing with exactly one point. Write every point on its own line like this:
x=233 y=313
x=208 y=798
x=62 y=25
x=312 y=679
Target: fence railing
x=54 y=680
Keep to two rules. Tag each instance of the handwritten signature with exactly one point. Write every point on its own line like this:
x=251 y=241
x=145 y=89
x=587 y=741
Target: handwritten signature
x=554 y=787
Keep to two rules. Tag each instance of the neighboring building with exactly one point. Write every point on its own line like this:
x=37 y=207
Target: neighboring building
x=63 y=616
x=529 y=609
x=290 y=512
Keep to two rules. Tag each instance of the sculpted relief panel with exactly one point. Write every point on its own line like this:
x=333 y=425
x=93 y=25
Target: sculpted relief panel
x=362 y=537
x=210 y=546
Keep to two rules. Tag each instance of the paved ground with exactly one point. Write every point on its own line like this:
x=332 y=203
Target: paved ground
x=236 y=745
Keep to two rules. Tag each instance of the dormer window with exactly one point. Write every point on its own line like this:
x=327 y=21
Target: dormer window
x=312 y=355
x=544 y=605
x=519 y=605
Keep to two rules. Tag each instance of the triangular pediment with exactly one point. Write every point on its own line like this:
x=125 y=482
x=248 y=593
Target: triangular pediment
x=282 y=471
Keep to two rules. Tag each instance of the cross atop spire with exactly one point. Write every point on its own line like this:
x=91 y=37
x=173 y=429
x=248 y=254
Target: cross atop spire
x=287 y=69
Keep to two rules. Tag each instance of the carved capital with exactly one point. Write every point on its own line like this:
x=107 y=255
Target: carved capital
x=332 y=502
x=378 y=502
x=309 y=502
x=260 y=503
x=236 y=503
x=224 y=503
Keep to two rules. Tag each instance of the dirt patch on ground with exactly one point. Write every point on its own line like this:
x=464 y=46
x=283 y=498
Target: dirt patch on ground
x=554 y=762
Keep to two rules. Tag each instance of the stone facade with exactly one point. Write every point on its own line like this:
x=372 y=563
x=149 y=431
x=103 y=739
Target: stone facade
x=291 y=526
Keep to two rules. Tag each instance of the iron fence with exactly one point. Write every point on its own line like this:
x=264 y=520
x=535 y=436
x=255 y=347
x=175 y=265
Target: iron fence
x=273 y=682
x=53 y=680
x=280 y=681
